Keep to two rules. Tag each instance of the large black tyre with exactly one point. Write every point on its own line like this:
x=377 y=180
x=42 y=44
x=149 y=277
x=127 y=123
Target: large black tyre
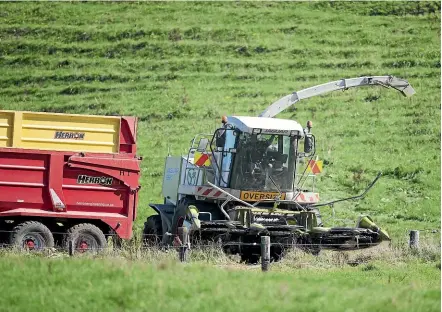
x=314 y=251
x=153 y=231
x=31 y=235
x=180 y=214
x=249 y=258
x=318 y=216
x=85 y=237
x=307 y=245
x=277 y=253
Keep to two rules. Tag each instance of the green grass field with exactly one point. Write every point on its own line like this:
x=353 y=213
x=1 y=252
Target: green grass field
x=179 y=67
x=393 y=280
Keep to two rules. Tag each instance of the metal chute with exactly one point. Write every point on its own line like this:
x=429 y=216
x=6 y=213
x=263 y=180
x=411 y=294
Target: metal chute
x=386 y=81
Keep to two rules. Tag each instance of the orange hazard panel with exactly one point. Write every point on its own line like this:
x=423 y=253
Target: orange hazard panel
x=60 y=132
x=314 y=166
x=202 y=159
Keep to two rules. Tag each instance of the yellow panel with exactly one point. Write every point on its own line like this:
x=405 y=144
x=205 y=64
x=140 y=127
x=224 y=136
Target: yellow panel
x=254 y=196
x=64 y=132
x=17 y=129
x=6 y=123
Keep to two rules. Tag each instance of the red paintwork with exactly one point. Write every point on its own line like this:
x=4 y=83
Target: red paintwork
x=30 y=244
x=83 y=247
x=26 y=177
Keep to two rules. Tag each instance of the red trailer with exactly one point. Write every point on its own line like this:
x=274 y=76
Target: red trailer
x=67 y=178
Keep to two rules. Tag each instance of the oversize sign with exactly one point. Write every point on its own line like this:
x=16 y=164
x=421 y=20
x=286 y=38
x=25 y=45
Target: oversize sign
x=255 y=196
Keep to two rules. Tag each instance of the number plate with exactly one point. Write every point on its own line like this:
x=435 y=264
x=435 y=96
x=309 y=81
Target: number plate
x=255 y=196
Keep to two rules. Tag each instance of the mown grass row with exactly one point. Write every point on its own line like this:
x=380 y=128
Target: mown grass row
x=160 y=49
x=32 y=63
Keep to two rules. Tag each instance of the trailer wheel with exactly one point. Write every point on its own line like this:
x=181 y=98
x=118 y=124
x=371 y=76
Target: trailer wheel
x=86 y=237
x=153 y=230
x=31 y=235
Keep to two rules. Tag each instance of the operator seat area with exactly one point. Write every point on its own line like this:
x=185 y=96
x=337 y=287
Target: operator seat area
x=277 y=159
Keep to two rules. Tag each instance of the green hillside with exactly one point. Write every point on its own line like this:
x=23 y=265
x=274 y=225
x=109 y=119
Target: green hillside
x=179 y=67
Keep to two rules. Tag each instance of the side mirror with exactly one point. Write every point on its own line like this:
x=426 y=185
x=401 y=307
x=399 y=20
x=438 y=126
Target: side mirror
x=309 y=143
x=309 y=139
x=220 y=137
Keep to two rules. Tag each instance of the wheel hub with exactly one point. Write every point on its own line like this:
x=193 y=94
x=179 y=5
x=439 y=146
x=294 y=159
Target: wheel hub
x=33 y=242
x=83 y=246
x=30 y=244
x=85 y=243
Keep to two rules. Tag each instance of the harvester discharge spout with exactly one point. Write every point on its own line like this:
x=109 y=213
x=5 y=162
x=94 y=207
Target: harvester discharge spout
x=280 y=105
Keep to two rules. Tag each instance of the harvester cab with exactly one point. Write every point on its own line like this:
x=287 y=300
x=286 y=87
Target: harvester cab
x=256 y=154
x=248 y=179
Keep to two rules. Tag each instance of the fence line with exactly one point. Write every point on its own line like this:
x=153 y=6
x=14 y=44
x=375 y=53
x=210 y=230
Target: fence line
x=159 y=245
x=182 y=250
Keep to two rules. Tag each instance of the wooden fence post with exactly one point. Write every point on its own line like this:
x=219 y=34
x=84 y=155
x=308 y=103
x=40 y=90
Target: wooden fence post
x=71 y=248
x=183 y=234
x=265 y=253
x=414 y=239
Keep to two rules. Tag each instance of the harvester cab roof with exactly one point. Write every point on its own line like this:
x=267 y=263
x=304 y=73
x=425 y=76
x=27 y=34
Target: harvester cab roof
x=264 y=125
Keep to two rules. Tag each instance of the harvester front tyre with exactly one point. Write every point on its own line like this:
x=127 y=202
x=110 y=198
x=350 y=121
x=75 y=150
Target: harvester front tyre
x=318 y=217
x=153 y=231
x=315 y=251
x=31 y=235
x=86 y=237
x=277 y=253
x=180 y=214
x=249 y=258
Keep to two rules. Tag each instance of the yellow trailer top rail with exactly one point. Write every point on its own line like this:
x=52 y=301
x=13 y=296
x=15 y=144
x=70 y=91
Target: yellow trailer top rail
x=60 y=132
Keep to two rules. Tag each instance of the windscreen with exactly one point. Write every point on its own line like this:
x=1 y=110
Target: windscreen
x=261 y=158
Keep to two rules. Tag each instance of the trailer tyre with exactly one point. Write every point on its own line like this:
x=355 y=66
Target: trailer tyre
x=32 y=235
x=86 y=237
x=153 y=231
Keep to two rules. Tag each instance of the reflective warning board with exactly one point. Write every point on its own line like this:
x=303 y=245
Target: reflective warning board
x=254 y=196
x=202 y=159
x=314 y=166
